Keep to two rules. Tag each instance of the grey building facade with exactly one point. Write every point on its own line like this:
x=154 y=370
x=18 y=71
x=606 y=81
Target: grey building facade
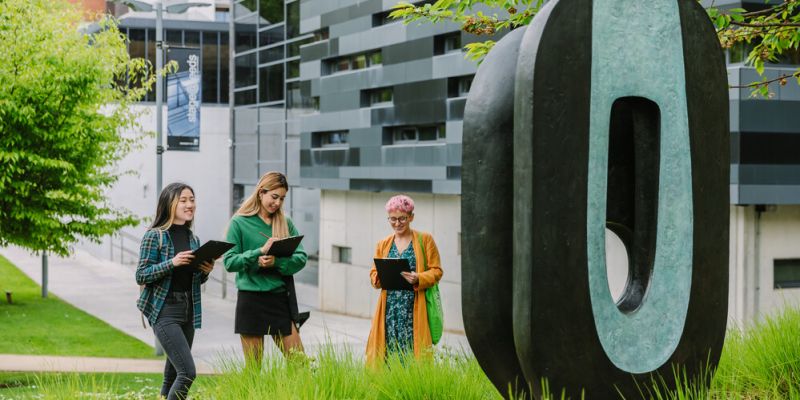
x=390 y=100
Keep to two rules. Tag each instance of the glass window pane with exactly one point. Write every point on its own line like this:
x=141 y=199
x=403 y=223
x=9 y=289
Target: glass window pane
x=244 y=8
x=271 y=85
x=271 y=54
x=294 y=48
x=245 y=37
x=427 y=133
x=224 y=70
x=270 y=11
x=270 y=36
x=174 y=38
x=293 y=69
x=245 y=97
x=191 y=38
x=151 y=56
x=210 y=67
x=360 y=61
x=293 y=19
x=375 y=58
x=246 y=70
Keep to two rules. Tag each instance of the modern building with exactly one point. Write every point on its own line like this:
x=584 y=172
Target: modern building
x=267 y=105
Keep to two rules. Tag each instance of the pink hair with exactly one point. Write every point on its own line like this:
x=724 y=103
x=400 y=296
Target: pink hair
x=400 y=202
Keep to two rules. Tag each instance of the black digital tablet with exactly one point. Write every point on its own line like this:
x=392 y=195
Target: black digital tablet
x=389 y=270
x=209 y=251
x=284 y=247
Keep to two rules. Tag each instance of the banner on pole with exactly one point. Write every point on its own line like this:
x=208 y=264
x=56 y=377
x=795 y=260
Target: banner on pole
x=184 y=95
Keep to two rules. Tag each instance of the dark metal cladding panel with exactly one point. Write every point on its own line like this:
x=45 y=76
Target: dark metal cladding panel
x=408 y=51
x=768 y=115
x=345 y=14
x=486 y=262
x=315 y=51
x=391 y=185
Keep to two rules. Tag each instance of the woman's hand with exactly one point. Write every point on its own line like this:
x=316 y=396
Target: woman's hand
x=206 y=267
x=183 y=258
x=410 y=277
x=266 y=246
x=266 y=261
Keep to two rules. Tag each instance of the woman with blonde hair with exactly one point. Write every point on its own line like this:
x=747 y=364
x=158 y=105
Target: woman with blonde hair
x=263 y=306
x=170 y=296
x=400 y=323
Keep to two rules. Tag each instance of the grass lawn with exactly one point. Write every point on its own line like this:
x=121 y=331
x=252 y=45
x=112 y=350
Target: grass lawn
x=67 y=386
x=33 y=325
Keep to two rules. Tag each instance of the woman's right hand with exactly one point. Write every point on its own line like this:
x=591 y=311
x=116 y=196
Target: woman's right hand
x=265 y=248
x=183 y=258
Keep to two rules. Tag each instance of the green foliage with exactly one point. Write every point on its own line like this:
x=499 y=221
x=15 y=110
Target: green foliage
x=774 y=30
x=58 y=386
x=64 y=98
x=37 y=326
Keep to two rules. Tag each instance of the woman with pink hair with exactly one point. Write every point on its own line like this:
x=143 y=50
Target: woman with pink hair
x=400 y=323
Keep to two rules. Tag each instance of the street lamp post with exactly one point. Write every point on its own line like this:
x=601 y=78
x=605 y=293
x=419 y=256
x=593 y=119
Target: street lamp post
x=159 y=8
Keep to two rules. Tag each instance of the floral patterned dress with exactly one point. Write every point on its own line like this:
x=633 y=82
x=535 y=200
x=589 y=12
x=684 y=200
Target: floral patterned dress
x=400 y=309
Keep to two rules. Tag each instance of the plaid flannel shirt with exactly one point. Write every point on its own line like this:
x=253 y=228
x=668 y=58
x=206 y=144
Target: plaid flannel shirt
x=155 y=273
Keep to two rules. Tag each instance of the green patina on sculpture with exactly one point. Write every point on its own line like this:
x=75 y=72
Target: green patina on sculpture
x=650 y=65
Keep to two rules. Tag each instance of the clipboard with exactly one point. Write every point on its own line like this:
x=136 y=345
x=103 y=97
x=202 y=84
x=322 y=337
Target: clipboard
x=285 y=247
x=389 y=270
x=209 y=251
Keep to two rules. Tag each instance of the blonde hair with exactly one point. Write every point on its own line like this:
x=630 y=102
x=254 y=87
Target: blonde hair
x=252 y=205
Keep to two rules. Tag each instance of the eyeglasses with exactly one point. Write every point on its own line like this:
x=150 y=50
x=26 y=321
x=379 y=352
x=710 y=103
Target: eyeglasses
x=395 y=220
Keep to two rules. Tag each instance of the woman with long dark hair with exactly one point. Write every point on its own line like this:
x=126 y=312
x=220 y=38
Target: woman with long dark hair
x=263 y=302
x=170 y=298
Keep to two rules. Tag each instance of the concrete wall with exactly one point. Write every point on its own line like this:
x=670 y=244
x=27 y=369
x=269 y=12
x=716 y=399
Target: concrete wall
x=207 y=171
x=358 y=220
x=758 y=238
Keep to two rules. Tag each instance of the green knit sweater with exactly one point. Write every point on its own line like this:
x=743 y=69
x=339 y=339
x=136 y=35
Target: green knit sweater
x=243 y=232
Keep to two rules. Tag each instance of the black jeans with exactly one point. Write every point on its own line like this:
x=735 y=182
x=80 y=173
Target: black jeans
x=174 y=329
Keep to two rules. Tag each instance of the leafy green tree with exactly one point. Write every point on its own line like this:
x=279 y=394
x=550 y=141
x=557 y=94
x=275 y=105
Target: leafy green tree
x=770 y=31
x=65 y=96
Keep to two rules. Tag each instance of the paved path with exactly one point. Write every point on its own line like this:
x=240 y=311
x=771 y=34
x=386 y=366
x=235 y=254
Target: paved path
x=108 y=291
x=25 y=363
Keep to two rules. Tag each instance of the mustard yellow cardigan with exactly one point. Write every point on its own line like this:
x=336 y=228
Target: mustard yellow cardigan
x=376 y=344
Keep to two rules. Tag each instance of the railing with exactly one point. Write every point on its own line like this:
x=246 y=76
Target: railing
x=124 y=249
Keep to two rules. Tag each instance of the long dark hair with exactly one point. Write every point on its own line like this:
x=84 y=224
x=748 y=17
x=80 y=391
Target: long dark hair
x=167 y=204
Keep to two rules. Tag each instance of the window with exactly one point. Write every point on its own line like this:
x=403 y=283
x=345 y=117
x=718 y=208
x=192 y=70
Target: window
x=271 y=54
x=786 y=273
x=373 y=97
x=293 y=19
x=293 y=48
x=210 y=67
x=321 y=34
x=271 y=11
x=222 y=14
x=446 y=43
x=329 y=139
x=271 y=85
x=246 y=70
x=418 y=134
x=270 y=36
x=353 y=62
x=342 y=254
x=458 y=86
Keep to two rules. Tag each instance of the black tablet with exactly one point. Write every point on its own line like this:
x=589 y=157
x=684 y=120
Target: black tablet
x=209 y=251
x=285 y=247
x=389 y=270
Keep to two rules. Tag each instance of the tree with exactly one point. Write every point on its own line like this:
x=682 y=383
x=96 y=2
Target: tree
x=64 y=98
x=771 y=30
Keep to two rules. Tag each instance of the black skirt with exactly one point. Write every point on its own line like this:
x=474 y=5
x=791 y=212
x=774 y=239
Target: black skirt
x=263 y=313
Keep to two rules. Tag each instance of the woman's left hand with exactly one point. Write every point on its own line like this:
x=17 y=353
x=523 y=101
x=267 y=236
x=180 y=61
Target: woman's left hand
x=206 y=267
x=266 y=261
x=411 y=277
